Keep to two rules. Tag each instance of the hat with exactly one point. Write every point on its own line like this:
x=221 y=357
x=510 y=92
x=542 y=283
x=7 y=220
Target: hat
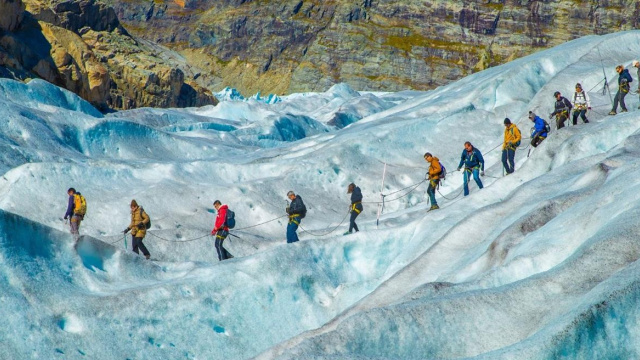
x=426 y=155
x=556 y=93
x=578 y=85
x=532 y=115
x=507 y=121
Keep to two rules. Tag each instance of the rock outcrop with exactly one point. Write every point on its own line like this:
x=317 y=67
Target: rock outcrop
x=81 y=46
x=307 y=45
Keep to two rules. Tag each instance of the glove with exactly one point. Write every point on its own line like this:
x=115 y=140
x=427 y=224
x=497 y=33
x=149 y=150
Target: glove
x=482 y=173
x=66 y=217
x=140 y=225
x=458 y=168
x=213 y=232
x=125 y=231
x=551 y=115
x=288 y=210
x=589 y=108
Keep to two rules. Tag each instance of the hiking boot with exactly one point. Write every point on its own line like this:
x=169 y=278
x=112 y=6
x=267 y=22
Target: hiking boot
x=612 y=112
x=347 y=233
x=638 y=106
x=623 y=110
x=147 y=257
x=434 y=207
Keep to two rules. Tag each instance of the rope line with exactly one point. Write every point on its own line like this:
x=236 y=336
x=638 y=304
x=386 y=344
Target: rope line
x=455 y=197
x=177 y=241
x=262 y=223
x=327 y=233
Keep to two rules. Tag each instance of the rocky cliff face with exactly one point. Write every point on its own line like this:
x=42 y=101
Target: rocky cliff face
x=81 y=46
x=302 y=45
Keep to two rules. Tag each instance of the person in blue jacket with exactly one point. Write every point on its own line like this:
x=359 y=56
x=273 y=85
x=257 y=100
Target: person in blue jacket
x=356 y=206
x=624 y=80
x=473 y=164
x=539 y=131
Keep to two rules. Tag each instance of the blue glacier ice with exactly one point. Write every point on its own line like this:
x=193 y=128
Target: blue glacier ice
x=541 y=264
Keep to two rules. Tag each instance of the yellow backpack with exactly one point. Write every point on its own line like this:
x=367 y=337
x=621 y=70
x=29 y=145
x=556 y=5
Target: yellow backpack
x=80 y=204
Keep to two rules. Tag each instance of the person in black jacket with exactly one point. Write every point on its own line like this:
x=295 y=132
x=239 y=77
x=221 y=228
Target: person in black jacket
x=624 y=80
x=356 y=206
x=296 y=211
x=562 y=109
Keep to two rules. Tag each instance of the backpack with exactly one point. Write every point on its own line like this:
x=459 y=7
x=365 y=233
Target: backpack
x=80 y=204
x=547 y=127
x=148 y=224
x=516 y=144
x=303 y=212
x=443 y=172
x=231 y=219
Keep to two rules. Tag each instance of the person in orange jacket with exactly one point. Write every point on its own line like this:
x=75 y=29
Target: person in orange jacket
x=138 y=228
x=512 y=138
x=435 y=169
x=221 y=230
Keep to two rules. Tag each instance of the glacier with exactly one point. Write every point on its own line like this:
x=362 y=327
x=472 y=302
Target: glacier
x=541 y=264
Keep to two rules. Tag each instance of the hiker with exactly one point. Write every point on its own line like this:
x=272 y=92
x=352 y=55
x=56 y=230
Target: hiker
x=540 y=129
x=562 y=109
x=581 y=104
x=434 y=179
x=473 y=163
x=636 y=64
x=76 y=209
x=356 y=206
x=624 y=79
x=221 y=230
x=512 y=139
x=296 y=211
x=138 y=228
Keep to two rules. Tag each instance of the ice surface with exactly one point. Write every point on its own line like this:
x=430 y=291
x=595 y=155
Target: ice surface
x=541 y=264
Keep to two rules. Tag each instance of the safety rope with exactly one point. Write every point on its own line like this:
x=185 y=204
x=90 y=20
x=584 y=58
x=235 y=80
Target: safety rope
x=177 y=241
x=415 y=186
x=326 y=233
x=262 y=223
x=455 y=197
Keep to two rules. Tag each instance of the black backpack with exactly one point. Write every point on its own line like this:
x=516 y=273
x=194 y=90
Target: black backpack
x=231 y=219
x=303 y=211
x=148 y=224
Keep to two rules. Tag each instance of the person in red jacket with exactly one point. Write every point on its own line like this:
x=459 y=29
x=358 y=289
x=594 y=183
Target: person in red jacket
x=221 y=230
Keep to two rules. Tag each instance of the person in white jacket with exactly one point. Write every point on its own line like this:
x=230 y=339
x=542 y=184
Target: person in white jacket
x=581 y=104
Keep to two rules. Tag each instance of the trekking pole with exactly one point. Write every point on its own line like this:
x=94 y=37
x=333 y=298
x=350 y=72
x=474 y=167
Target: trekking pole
x=606 y=82
x=236 y=236
x=381 y=205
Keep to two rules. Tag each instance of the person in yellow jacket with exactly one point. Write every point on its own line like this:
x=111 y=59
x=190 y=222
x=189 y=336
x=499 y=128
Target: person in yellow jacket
x=435 y=170
x=138 y=228
x=512 y=140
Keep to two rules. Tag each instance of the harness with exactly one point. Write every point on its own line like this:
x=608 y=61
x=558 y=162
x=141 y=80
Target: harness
x=580 y=99
x=470 y=160
x=292 y=219
x=353 y=207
